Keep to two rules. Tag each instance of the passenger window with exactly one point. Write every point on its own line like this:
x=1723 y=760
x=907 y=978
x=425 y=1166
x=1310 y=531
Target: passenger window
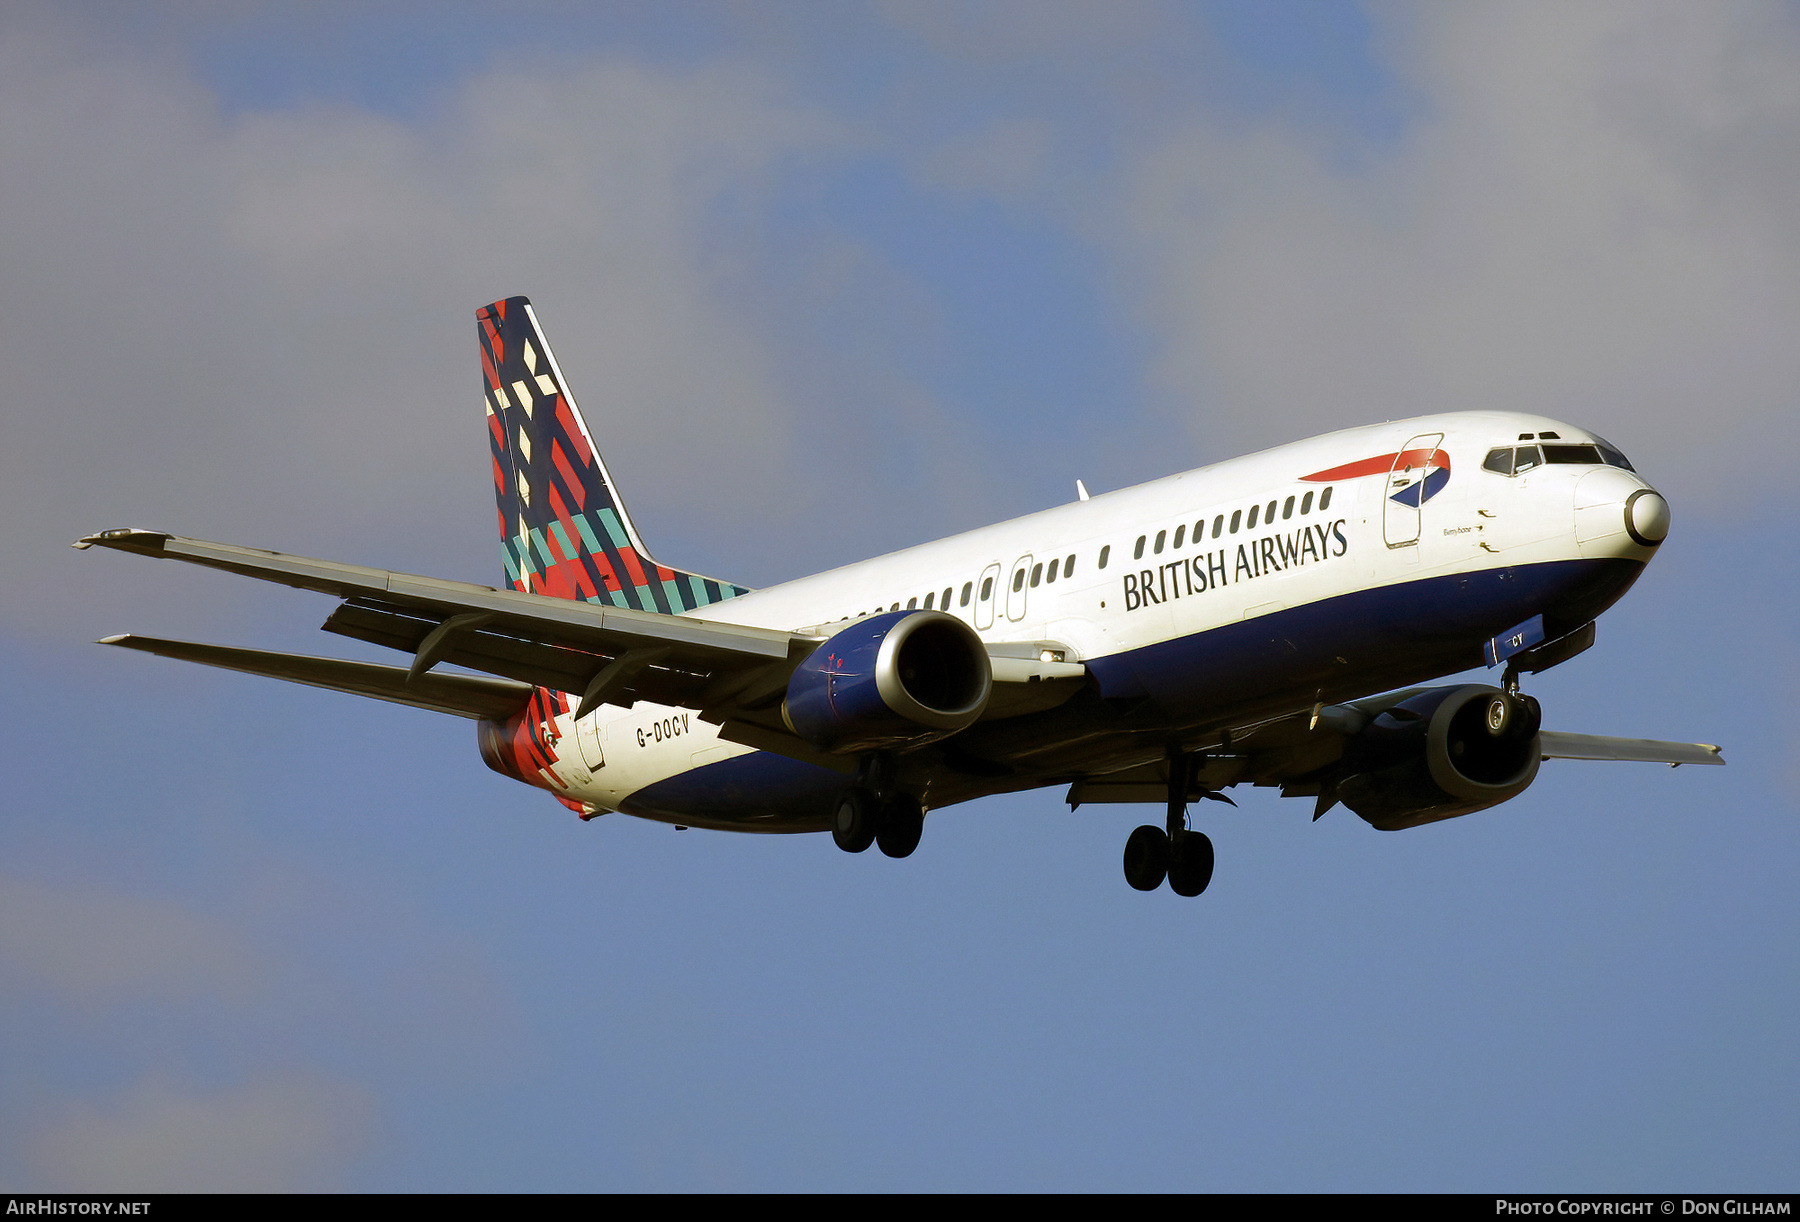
x=987 y=589
x=1499 y=461
x=1161 y=536
x=895 y=607
x=1138 y=552
x=1306 y=504
x=968 y=586
x=1287 y=510
x=1069 y=565
x=912 y=604
x=1051 y=575
x=944 y=602
x=1254 y=510
x=1104 y=553
x=928 y=599
x=1018 y=581
x=1269 y=514
x=1219 y=526
x=1236 y=516
x=1180 y=533
x=1324 y=500
x=1037 y=573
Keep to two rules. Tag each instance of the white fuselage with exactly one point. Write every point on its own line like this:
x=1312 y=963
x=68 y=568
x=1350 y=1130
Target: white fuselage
x=1201 y=567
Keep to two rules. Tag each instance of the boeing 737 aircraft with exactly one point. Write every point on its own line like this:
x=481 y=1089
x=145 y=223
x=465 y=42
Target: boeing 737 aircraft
x=1159 y=644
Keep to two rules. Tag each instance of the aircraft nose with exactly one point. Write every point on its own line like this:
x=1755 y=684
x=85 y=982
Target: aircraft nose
x=1618 y=514
x=1647 y=517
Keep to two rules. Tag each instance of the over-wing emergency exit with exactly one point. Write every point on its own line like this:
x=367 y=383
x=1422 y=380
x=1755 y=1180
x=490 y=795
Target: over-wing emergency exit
x=1266 y=621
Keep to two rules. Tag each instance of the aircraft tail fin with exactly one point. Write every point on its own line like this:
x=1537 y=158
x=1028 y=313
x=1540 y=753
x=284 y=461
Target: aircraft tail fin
x=564 y=530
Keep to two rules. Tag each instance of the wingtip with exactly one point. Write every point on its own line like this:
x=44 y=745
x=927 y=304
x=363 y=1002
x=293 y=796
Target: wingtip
x=117 y=638
x=120 y=536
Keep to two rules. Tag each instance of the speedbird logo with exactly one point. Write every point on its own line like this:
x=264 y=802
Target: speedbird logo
x=1418 y=475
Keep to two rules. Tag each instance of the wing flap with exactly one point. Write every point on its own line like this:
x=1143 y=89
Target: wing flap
x=406 y=629
x=474 y=696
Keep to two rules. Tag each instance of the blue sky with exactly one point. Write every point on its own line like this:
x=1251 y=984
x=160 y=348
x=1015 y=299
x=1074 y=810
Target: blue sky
x=830 y=280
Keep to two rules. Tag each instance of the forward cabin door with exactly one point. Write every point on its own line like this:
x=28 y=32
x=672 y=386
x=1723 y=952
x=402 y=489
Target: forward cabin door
x=1018 y=586
x=1405 y=490
x=984 y=597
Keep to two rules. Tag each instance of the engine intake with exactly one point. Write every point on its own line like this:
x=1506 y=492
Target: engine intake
x=897 y=680
x=1441 y=753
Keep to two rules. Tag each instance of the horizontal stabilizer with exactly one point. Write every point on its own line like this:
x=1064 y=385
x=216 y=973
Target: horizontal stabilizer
x=1560 y=746
x=476 y=696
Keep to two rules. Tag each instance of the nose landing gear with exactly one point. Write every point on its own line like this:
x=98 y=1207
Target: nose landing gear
x=1510 y=713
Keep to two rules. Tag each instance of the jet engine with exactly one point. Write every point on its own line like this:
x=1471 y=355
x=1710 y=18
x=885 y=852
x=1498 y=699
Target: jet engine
x=1440 y=753
x=892 y=681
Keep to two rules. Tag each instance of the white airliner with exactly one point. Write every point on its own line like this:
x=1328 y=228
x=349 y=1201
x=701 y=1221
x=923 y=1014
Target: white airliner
x=1158 y=644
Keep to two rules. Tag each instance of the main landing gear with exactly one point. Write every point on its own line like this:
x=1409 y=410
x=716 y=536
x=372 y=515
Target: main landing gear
x=864 y=816
x=1182 y=856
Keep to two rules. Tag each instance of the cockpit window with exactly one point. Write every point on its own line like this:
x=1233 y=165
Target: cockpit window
x=1572 y=454
x=1516 y=460
x=1609 y=454
x=1513 y=460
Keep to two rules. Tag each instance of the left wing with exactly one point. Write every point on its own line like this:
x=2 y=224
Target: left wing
x=733 y=674
x=611 y=655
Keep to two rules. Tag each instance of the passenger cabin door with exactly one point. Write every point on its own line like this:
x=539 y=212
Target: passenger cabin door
x=1017 y=587
x=1406 y=490
x=984 y=597
x=587 y=737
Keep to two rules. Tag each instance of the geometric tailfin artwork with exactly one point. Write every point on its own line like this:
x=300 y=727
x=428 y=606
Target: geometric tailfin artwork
x=563 y=529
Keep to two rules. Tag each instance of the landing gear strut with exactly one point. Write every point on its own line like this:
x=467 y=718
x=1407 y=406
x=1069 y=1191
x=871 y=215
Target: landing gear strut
x=1182 y=856
x=873 y=811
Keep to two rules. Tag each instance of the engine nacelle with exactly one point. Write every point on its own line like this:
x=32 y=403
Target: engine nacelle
x=896 y=680
x=1441 y=753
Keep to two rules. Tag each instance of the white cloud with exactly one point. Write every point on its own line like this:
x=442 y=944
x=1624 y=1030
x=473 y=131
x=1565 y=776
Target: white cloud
x=260 y=327
x=1595 y=213
x=1006 y=158
x=231 y=1030
x=277 y=1133
x=90 y=946
x=990 y=32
